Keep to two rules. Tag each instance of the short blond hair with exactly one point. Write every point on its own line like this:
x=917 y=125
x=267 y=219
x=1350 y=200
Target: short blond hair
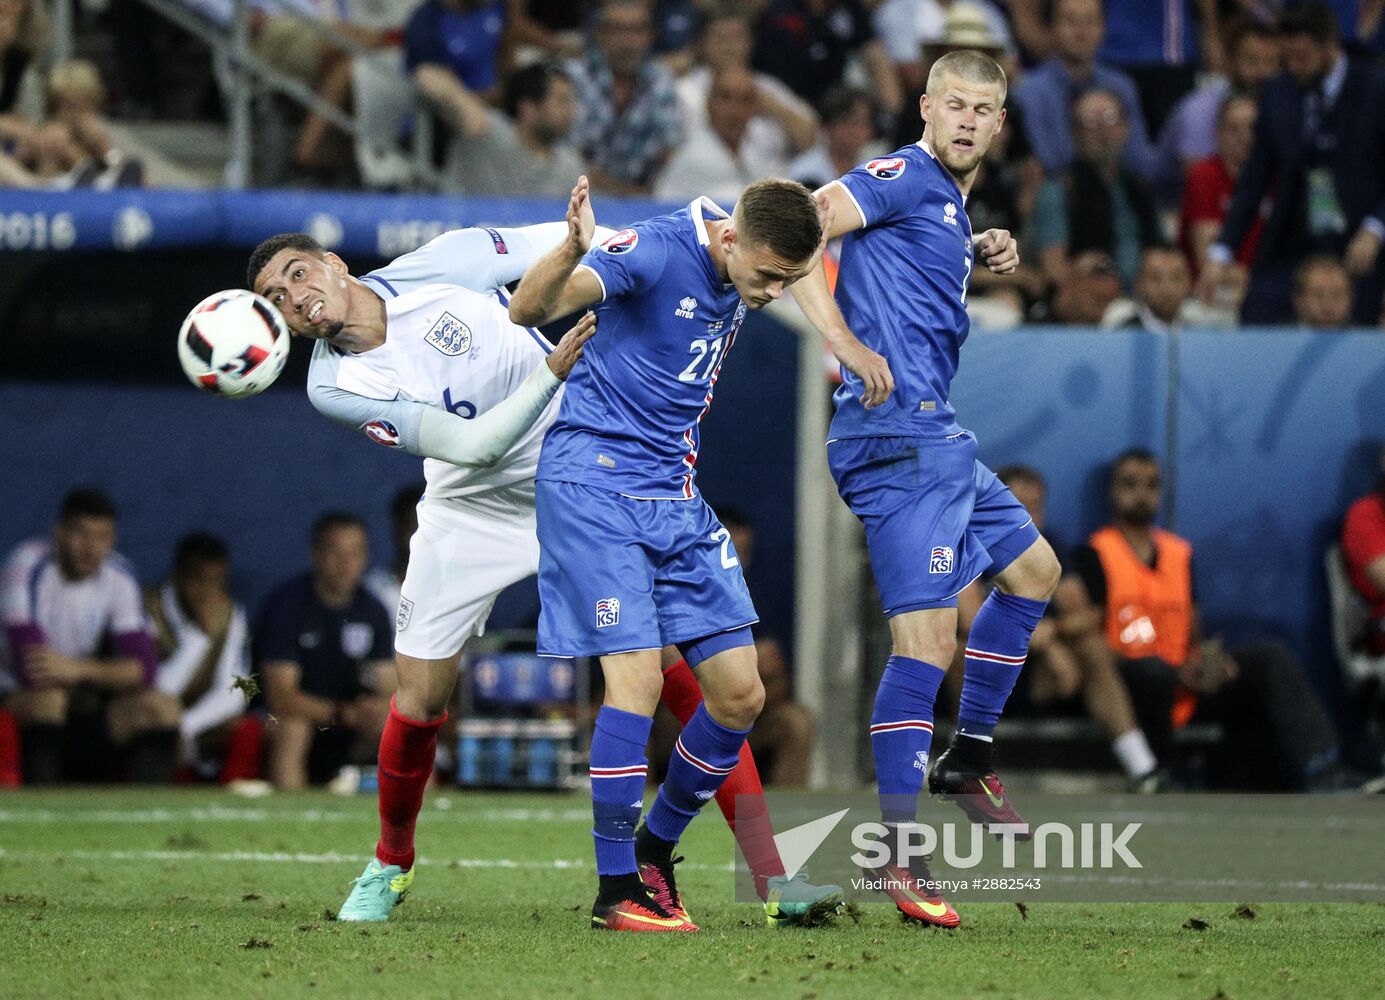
x=970 y=66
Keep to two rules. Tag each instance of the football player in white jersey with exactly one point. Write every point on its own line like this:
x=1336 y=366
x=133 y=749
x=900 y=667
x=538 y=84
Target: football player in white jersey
x=421 y=356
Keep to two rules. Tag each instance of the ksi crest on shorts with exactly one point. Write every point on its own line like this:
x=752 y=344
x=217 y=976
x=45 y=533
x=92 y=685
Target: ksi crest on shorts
x=607 y=612
x=940 y=560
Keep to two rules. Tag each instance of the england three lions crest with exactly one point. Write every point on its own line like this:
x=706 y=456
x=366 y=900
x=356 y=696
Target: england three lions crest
x=450 y=335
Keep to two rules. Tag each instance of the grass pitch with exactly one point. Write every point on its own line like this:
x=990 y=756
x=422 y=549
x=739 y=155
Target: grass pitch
x=174 y=894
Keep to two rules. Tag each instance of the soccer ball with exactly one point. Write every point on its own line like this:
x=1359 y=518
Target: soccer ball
x=233 y=343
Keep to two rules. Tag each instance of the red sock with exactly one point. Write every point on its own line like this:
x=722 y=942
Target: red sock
x=9 y=751
x=751 y=825
x=407 y=748
x=242 y=761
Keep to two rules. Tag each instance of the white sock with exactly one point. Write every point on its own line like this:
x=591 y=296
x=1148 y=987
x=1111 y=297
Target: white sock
x=1132 y=750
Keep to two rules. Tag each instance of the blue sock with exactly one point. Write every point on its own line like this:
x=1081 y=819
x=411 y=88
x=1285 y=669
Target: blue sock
x=901 y=733
x=996 y=648
x=618 y=767
x=706 y=752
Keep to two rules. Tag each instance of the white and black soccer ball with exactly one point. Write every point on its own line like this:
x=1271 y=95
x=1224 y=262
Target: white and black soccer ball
x=233 y=343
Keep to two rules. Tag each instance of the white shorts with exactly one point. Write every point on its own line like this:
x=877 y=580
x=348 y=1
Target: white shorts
x=465 y=552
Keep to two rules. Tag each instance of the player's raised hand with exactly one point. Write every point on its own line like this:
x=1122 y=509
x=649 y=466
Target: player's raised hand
x=581 y=221
x=871 y=368
x=569 y=349
x=1000 y=250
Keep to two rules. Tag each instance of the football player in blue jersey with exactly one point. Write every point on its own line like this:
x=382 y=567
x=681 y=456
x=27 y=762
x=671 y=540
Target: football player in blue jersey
x=631 y=558
x=935 y=517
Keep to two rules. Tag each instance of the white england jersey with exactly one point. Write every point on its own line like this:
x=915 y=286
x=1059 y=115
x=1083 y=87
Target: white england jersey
x=74 y=617
x=449 y=345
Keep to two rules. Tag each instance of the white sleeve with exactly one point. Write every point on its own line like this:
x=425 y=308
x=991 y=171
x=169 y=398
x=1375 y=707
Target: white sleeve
x=127 y=604
x=222 y=702
x=420 y=429
x=175 y=671
x=479 y=259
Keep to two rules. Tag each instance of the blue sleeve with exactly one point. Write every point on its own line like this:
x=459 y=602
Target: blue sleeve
x=886 y=188
x=628 y=263
x=423 y=42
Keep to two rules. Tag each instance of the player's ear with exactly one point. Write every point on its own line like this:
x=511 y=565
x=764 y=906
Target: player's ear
x=923 y=107
x=336 y=264
x=728 y=237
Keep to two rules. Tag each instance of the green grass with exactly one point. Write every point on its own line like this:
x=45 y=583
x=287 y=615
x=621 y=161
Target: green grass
x=174 y=894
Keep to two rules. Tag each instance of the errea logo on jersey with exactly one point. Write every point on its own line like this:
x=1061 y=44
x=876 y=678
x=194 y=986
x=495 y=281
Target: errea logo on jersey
x=621 y=242
x=686 y=305
x=950 y=214
x=887 y=168
x=450 y=335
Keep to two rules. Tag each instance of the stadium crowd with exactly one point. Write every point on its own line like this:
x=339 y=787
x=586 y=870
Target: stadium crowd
x=1247 y=135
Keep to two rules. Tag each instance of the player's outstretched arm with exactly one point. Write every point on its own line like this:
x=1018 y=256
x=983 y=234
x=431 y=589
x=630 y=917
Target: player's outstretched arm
x=550 y=288
x=840 y=216
x=430 y=432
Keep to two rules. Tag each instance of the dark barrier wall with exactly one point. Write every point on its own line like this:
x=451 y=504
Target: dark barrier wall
x=258 y=471
x=1273 y=434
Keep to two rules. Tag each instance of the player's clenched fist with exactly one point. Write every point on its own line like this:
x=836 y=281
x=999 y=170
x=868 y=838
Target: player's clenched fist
x=1000 y=250
x=569 y=349
x=581 y=223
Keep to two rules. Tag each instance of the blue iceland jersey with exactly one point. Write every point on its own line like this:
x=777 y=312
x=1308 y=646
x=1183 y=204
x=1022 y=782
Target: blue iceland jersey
x=902 y=287
x=630 y=415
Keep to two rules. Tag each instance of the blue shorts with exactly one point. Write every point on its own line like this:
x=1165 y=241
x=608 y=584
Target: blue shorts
x=617 y=574
x=935 y=517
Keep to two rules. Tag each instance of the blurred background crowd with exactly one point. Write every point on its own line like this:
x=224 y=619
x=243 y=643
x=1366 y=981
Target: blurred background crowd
x=1166 y=163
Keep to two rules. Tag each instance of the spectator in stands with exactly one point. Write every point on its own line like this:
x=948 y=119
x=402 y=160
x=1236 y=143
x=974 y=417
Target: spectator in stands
x=714 y=159
x=76 y=99
x=904 y=27
x=1098 y=204
x=1322 y=294
x=203 y=639
x=810 y=43
x=1207 y=196
x=453 y=50
x=1071 y=656
x=526 y=148
x=1277 y=736
x=1320 y=125
x=848 y=138
x=1363 y=552
x=1155 y=44
x=79 y=662
x=323 y=646
x=782 y=126
x=1164 y=301
x=1045 y=94
x=1193 y=132
x=384 y=581
x=628 y=122
x=1090 y=284
x=23 y=39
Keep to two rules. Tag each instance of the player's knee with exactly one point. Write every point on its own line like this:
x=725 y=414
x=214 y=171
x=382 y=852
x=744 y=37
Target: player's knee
x=39 y=707
x=1034 y=575
x=738 y=701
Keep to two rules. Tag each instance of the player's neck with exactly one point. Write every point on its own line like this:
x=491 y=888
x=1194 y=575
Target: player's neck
x=365 y=324
x=715 y=248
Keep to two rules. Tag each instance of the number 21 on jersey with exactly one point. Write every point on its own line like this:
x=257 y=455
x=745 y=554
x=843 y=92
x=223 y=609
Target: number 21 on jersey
x=708 y=350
